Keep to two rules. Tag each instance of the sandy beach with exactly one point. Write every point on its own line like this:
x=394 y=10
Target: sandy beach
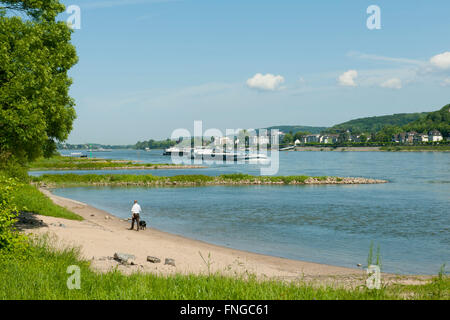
x=100 y=235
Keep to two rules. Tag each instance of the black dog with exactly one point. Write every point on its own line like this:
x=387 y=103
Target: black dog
x=142 y=225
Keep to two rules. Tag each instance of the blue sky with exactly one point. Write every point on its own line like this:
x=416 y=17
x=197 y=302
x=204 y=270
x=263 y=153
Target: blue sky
x=148 y=67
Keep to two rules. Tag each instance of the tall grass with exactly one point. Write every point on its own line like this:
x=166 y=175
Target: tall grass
x=29 y=198
x=70 y=163
x=43 y=276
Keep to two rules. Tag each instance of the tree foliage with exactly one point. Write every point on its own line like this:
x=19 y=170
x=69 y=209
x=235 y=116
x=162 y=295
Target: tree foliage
x=35 y=57
x=10 y=239
x=152 y=144
x=294 y=129
x=375 y=124
x=437 y=120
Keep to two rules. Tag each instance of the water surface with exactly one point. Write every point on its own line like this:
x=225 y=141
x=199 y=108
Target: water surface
x=408 y=218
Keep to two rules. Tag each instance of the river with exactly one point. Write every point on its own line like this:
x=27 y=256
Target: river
x=408 y=218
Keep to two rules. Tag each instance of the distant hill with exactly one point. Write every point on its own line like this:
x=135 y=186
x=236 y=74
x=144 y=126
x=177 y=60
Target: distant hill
x=86 y=146
x=437 y=120
x=375 y=124
x=294 y=129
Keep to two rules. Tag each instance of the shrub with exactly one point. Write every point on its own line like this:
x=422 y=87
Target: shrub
x=10 y=239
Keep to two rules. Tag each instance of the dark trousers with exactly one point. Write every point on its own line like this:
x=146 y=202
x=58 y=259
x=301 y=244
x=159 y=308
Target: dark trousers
x=135 y=217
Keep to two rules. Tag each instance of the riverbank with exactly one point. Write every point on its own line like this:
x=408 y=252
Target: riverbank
x=412 y=148
x=326 y=148
x=100 y=235
x=71 y=180
x=124 y=167
x=71 y=163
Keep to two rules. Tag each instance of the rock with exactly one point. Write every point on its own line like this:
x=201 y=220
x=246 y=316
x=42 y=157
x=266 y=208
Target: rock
x=170 y=262
x=123 y=257
x=153 y=259
x=62 y=225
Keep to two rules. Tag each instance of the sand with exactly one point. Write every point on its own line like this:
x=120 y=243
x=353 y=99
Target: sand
x=101 y=234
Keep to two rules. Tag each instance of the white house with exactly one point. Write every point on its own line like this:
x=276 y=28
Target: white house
x=435 y=136
x=421 y=138
x=312 y=138
x=331 y=138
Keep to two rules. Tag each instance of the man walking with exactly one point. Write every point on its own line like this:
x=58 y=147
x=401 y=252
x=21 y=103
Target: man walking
x=135 y=211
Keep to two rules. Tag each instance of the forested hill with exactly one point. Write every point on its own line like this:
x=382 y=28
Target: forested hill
x=360 y=125
x=375 y=124
x=294 y=129
x=437 y=120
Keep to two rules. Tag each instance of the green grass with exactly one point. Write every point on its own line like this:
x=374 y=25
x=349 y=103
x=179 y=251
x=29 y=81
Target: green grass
x=63 y=180
x=42 y=275
x=29 y=198
x=71 y=163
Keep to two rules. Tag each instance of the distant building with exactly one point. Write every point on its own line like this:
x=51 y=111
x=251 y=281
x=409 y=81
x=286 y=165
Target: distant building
x=259 y=140
x=410 y=136
x=330 y=138
x=435 y=136
x=220 y=141
x=311 y=138
x=399 y=138
x=420 y=138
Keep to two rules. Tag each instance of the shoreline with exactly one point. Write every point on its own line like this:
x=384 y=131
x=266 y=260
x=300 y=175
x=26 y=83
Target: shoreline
x=359 y=149
x=66 y=180
x=100 y=235
x=155 y=167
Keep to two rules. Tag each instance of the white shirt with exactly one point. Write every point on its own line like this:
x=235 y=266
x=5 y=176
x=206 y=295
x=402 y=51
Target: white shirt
x=136 y=208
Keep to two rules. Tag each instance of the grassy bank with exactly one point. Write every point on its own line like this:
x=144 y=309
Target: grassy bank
x=71 y=163
x=19 y=195
x=441 y=148
x=189 y=180
x=42 y=275
x=29 y=198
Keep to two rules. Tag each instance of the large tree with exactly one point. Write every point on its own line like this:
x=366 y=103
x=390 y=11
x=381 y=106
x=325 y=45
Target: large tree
x=35 y=57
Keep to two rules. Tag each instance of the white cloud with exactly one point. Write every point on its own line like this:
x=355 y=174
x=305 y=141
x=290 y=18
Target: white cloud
x=394 y=83
x=348 y=78
x=446 y=82
x=267 y=82
x=386 y=59
x=442 y=60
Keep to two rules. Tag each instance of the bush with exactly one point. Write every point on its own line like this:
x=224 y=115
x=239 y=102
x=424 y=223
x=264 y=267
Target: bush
x=10 y=239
